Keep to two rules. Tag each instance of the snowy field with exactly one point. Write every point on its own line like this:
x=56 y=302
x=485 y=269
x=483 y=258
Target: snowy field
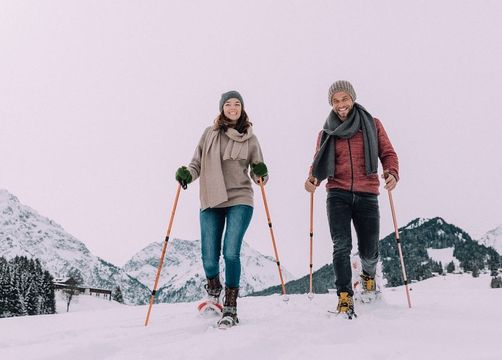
x=455 y=317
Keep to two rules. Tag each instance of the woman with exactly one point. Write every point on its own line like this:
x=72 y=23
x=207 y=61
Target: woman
x=222 y=160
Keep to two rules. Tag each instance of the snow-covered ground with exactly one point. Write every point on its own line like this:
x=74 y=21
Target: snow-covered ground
x=455 y=317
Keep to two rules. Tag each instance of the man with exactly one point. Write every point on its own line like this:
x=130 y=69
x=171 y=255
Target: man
x=347 y=153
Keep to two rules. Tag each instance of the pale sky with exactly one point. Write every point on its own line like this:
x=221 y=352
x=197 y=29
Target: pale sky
x=101 y=102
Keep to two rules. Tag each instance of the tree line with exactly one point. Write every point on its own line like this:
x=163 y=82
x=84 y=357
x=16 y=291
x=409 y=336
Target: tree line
x=25 y=288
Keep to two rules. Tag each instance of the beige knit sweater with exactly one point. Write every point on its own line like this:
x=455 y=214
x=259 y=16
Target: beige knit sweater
x=222 y=161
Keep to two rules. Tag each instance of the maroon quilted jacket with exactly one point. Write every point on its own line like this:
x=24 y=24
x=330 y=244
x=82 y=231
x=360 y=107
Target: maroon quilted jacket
x=350 y=172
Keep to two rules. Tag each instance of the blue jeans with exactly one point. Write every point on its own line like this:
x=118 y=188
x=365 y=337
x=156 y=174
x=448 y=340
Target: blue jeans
x=362 y=209
x=212 y=222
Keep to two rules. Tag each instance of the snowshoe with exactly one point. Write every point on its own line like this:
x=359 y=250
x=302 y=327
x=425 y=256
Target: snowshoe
x=210 y=306
x=368 y=297
x=368 y=291
x=229 y=318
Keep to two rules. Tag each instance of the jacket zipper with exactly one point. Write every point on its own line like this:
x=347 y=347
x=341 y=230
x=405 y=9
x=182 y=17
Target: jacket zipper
x=351 y=167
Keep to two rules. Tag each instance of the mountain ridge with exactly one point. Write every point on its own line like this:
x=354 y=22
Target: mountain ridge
x=493 y=238
x=258 y=270
x=417 y=237
x=24 y=232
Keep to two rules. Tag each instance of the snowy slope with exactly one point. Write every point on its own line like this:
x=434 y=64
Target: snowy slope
x=24 y=232
x=182 y=277
x=439 y=326
x=493 y=238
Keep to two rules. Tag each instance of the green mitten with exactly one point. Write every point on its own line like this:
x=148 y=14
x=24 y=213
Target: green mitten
x=183 y=176
x=260 y=169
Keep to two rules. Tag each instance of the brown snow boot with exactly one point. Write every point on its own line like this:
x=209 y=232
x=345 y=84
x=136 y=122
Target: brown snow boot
x=213 y=287
x=229 y=316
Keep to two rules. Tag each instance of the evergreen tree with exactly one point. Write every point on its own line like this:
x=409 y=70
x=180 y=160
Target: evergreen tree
x=32 y=295
x=31 y=301
x=450 y=267
x=19 y=270
x=475 y=271
x=117 y=295
x=496 y=282
x=466 y=265
x=4 y=287
x=49 y=297
x=15 y=306
x=494 y=262
x=21 y=291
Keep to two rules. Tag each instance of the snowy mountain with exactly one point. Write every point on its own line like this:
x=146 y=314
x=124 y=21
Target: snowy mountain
x=454 y=317
x=24 y=232
x=493 y=238
x=429 y=246
x=182 y=277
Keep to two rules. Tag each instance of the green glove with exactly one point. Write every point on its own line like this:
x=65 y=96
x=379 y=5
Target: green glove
x=260 y=169
x=183 y=176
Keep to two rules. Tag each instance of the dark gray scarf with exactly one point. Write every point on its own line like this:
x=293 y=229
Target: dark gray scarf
x=334 y=128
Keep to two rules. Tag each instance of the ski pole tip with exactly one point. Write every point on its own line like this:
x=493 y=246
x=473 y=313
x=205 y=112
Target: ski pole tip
x=310 y=295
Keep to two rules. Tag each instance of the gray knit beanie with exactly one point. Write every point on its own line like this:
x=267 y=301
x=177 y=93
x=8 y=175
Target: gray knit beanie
x=230 y=95
x=341 y=85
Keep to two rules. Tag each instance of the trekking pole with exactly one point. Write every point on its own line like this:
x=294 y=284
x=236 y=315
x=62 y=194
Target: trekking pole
x=260 y=181
x=164 y=247
x=405 y=279
x=311 y=293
